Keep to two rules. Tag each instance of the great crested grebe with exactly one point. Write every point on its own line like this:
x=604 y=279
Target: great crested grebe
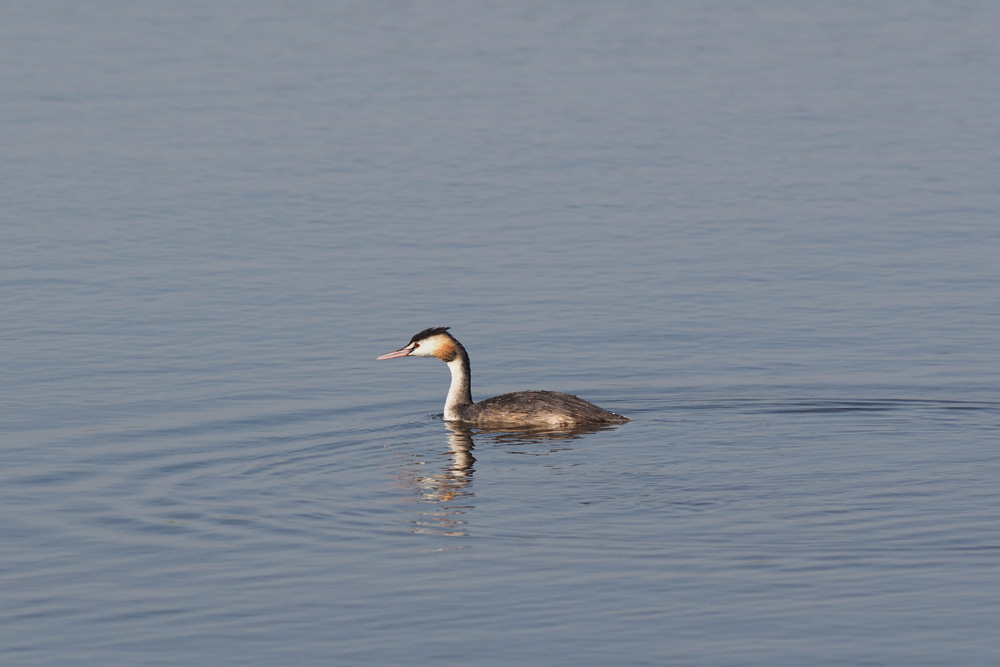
x=522 y=408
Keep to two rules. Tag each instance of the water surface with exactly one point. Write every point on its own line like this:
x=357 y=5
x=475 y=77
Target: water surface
x=765 y=231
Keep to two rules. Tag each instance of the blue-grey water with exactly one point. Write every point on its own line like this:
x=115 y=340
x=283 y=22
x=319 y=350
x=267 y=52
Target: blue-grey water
x=767 y=231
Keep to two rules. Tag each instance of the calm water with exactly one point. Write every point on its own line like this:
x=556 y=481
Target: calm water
x=767 y=231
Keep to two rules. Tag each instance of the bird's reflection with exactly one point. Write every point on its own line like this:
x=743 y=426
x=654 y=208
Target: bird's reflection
x=446 y=497
x=540 y=435
x=444 y=488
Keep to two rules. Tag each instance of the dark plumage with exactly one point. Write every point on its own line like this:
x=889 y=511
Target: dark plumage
x=427 y=333
x=551 y=407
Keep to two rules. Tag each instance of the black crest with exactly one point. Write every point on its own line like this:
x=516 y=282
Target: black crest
x=427 y=333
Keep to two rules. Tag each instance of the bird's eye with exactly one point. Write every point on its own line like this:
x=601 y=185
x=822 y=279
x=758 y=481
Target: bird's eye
x=416 y=345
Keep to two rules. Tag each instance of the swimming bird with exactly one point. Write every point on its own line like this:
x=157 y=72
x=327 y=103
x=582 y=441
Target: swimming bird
x=533 y=409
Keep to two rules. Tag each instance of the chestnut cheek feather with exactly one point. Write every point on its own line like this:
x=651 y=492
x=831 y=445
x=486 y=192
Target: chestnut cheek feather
x=446 y=353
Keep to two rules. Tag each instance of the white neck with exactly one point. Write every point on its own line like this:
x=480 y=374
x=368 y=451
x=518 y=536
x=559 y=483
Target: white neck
x=460 y=392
